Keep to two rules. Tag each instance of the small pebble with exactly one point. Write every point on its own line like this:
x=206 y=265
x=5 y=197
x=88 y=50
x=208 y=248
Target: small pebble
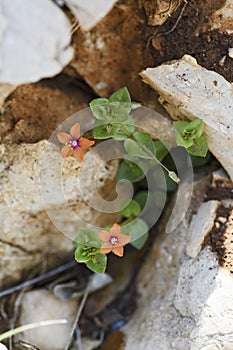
x=230 y=52
x=217 y=224
x=222 y=61
x=222 y=219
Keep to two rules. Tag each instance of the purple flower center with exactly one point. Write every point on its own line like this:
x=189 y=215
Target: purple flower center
x=74 y=143
x=113 y=240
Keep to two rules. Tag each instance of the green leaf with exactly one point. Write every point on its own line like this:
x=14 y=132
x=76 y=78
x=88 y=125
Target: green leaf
x=134 y=149
x=136 y=229
x=197 y=125
x=141 y=198
x=145 y=139
x=85 y=253
x=121 y=95
x=119 y=136
x=161 y=180
x=173 y=176
x=199 y=148
x=160 y=150
x=129 y=171
x=88 y=237
x=129 y=125
x=158 y=198
x=200 y=161
x=140 y=242
x=131 y=210
x=188 y=132
x=105 y=131
x=98 y=263
x=119 y=112
x=180 y=141
x=100 y=108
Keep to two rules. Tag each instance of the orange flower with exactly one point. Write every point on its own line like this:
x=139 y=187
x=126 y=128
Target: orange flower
x=74 y=144
x=113 y=240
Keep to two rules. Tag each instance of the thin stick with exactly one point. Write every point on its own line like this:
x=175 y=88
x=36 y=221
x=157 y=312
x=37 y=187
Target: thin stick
x=31 y=326
x=169 y=9
x=79 y=339
x=40 y=278
x=80 y=309
x=177 y=21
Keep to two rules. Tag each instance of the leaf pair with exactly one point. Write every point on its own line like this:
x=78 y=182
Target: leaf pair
x=112 y=116
x=189 y=135
x=88 y=250
x=114 y=109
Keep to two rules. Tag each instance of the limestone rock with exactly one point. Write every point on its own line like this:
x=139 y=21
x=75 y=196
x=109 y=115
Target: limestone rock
x=32 y=45
x=189 y=91
x=41 y=305
x=200 y=226
x=28 y=238
x=184 y=303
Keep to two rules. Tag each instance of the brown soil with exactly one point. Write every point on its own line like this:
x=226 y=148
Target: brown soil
x=32 y=111
x=207 y=47
x=220 y=238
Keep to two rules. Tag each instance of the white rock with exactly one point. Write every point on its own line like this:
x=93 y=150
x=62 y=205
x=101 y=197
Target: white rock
x=34 y=40
x=184 y=304
x=89 y=12
x=41 y=305
x=189 y=91
x=200 y=226
x=28 y=237
x=230 y=52
x=3 y=347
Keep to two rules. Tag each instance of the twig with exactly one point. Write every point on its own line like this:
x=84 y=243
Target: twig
x=156 y=34
x=16 y=313
x=80 y=309
x=79 y=339
x=177 y=21
x=169 y=9
x=40 y=278
x=31 y=326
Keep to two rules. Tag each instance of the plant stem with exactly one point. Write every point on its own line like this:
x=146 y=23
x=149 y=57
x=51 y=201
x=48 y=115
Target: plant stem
x=146 y=150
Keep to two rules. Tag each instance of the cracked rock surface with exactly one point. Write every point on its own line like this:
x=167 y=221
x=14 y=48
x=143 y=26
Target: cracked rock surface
x=188 y=91
x=184 y=303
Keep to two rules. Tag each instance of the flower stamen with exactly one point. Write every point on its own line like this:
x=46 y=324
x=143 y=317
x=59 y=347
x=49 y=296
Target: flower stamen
x=74 y=143
x=113 y=240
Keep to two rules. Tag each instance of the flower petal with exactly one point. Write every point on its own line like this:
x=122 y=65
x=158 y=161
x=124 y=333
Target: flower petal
x=79 y=154
x=85 y=143
x=104 y=235
x=119 y=251
x=124 y=239
x=75 y=131
x=66 y=151
x=63 y=137
x=115 y=230
x=107 y=245
x=105 y=250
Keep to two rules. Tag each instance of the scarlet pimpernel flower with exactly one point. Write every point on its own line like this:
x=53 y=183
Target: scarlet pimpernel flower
x=113 y=240
x=74 y=144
